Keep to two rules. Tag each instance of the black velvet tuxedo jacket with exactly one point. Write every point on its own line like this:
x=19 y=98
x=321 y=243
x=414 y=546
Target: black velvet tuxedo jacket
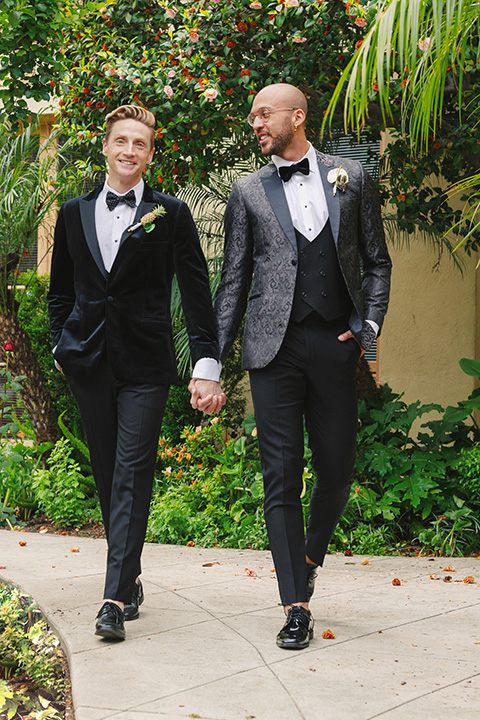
x=261 y=244
x=125 y=313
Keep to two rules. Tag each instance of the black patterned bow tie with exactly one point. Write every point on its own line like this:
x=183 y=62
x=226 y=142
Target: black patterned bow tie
x=113 y=200
x=286 y=171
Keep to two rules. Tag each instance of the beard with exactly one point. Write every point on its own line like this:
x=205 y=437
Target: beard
x=281 y=141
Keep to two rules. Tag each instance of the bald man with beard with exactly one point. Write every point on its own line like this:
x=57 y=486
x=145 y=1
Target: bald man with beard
x=305 y=256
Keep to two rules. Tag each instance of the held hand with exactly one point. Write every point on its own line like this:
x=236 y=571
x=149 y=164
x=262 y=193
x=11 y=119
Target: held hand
x=207 y=395
x=346 y=336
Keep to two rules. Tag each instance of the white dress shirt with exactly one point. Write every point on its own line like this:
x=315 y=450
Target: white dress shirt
x=110 y=225
x=306 y=200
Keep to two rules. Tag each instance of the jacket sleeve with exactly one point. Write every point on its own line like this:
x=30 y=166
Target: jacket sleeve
x=231 y=300
x=61 y=295
x=375 y=258
x=192 y=276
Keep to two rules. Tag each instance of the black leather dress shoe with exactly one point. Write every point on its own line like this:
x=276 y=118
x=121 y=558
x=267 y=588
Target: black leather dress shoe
x=131 y=609
x=298 y=629
x=110 y=621
x=311 y=574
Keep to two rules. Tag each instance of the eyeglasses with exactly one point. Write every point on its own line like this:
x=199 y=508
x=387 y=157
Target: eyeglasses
x=264 y=114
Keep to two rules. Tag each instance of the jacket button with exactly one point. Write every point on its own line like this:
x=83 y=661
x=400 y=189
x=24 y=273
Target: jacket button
x=322 y=253
x=110 y=298
x=303 y=273
x=304 y=294
x=324 y=294
x=303 y=253
x=322 y=273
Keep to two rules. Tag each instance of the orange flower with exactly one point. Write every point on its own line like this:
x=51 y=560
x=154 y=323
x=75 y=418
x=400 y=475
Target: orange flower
x=190 y=543
x=22 y=543
x=245 y=72
x=396 y=581
x=328 y=635
x=175 y=147
x=358 y=44
x=469 y=579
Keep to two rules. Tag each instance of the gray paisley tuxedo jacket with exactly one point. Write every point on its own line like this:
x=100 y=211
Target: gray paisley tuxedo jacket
x=260 y=260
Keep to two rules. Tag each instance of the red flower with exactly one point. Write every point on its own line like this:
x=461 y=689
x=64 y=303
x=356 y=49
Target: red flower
x=86 y=91
x=108 y=92
x=242 y=26
x=229 y=92
x=8 y=346
x=358 y=44
x=244 y=72
x=100 y=104
x=105 y=47
x=222 y=77
x=375 y=87
x=184 y=71
x=175 y=147
x=401 y=197
x=160 y=179
x=52 y=83
x=437 y=145
x=230 y=44
x=89 y=103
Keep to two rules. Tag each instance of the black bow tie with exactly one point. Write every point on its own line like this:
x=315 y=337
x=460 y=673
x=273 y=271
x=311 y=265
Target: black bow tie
x=113 y=200
x=286 y=171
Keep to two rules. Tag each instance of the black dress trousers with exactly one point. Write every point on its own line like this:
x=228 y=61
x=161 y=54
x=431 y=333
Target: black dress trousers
x=122 y=424
x=312 y=378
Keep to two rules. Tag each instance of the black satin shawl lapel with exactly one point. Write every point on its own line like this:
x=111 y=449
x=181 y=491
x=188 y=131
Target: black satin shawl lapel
x=273 y=186
x=87 y=214
x=333 y=201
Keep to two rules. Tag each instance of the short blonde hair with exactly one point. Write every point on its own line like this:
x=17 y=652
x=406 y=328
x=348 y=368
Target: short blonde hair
x=130 y=112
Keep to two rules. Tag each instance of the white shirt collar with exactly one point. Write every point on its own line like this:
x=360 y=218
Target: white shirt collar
x=137 y=189
x=310 y=155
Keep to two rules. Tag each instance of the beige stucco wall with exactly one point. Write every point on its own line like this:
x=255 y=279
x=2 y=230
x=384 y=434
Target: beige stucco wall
x=432 y=322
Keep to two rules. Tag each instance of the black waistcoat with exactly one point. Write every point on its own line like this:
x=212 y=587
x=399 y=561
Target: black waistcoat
x=320 y=286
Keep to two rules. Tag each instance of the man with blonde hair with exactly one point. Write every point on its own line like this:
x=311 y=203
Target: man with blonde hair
x=115 y=253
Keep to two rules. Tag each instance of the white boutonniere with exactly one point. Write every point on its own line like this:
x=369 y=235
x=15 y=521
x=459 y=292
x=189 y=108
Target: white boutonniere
x=339 y=178
x=148 y=220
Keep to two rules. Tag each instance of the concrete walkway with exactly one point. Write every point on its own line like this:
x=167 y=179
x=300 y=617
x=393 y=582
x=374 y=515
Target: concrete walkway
x=204 y=645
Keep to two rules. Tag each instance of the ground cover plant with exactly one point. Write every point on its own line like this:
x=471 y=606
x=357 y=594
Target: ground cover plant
x=32 y=663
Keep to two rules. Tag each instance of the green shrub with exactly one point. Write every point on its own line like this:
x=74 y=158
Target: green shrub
x=27 y=644
x=33 y=316
x=467 y=468
x=209 y=491
x=59 y=489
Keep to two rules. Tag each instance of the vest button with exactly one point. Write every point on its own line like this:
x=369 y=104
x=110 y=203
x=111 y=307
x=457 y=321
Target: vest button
x=324 y=294
x=322 y=273
x=322 y=253
x=304 y=294
x=110 y=298
x=294 y=261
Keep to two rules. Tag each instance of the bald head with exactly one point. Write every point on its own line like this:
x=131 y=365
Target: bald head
x=282 y=94
x=278 y=120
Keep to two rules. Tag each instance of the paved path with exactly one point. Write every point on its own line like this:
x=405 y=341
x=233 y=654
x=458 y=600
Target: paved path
x=204 y=645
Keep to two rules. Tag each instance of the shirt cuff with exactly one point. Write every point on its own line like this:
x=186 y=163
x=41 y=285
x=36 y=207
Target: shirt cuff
x=374 y=326
x=207 y=369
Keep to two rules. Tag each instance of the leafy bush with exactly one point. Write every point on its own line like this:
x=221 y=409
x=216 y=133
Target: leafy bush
x=28 y=644
x=410 y=481
x=60 y=488
x=209 y=491
x=33 y=316
x=468 y=474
